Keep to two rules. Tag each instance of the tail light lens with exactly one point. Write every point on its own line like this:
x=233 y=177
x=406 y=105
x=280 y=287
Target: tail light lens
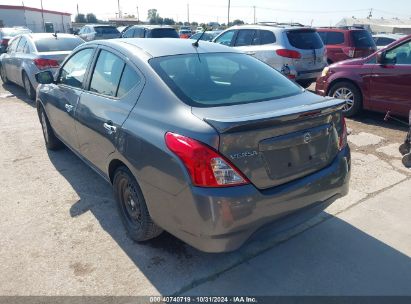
x=288 y=53
x=343 y=135
x=350 y=52
x=42 y=63
x=4 y=42
x=207 y=168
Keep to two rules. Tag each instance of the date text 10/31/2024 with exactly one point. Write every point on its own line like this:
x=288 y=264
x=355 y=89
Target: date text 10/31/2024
x=199 y=299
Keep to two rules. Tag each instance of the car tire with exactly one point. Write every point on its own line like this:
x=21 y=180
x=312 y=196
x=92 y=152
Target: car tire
x=28 y=87
x=351 y=93
x=3 y=75
x=132 y=207
x=51 y=140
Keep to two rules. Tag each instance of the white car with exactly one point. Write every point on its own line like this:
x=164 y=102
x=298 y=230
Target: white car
x=382 y=40
x=296 y=51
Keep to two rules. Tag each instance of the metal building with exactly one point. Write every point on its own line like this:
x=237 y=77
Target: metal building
x=394 y=25
x=35 y=19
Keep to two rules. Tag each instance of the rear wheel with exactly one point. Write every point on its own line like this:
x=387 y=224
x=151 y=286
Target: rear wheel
x=4 y=75
x=31 y=93
x=351 y=94
x=132 y=207
x=52 y=142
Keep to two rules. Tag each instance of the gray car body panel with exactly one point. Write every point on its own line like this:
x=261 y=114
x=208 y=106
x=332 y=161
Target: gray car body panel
x=209 y=219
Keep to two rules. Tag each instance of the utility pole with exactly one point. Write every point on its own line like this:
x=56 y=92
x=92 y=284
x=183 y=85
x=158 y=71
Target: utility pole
x=188 y=13
x=138 y=15
x=228 y=16
x=255 y=21
x=78 y=11
x=119 y=11
x=42 y=15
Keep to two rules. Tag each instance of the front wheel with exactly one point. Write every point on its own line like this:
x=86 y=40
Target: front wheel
x=52 y=142
x=132 y=207
x=351 y=94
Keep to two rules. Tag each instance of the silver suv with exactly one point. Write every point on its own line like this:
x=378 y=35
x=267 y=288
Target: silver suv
x=295 y=50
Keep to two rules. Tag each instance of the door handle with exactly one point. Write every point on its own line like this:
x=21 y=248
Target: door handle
x=68 y=107
x=110 y=129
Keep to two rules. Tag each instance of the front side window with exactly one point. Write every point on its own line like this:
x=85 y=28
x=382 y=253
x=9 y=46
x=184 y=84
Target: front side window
x=106 y=74
x=226 y=38
x=73 y=71
x=245 y=37
x=383 y=41
x=219 y=79
x=129 y=33
x=399 y=55
x=13 y=45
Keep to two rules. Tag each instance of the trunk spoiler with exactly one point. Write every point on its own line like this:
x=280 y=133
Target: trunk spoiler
x=264 y=120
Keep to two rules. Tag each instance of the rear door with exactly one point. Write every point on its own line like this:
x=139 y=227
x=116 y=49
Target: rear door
x=390 y=87
x=10 y=60
x=19 y=58
x=112 y=91
x=62 y=101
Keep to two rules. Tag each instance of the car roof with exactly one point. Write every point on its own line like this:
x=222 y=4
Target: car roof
x=151 y=26
x=273 y=27
x=36 y=36
x=169 y=46
x=339 y=29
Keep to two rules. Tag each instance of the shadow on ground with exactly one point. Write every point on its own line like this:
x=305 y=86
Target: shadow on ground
x=338 y=260
x=377 y=120
x=18 y=92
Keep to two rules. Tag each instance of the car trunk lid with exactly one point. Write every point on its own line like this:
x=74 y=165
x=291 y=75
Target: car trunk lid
x=275 y=142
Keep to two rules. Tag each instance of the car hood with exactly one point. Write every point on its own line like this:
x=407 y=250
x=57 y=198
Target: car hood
x=356 y=61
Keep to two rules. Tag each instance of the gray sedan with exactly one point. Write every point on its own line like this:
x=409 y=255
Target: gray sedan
x=202 y=141
x=29 y=54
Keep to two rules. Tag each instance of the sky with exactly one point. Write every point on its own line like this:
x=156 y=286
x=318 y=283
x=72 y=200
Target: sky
x=315 y=12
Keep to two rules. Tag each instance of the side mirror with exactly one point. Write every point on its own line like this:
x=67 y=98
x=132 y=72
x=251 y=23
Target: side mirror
x=45 y=77
x=381 y=57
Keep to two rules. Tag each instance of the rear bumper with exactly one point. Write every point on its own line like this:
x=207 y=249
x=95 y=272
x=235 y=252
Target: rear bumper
x=228 y=217
x=309 y=74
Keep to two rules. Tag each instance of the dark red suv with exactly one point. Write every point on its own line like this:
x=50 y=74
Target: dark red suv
x=346 y=43
x=380 y=82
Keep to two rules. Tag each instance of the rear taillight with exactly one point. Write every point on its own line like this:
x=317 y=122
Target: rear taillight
x=42 y=63
x=342 y=142
x=349 y=51
x=4 y=42
x=288 y=53
x=206 y=167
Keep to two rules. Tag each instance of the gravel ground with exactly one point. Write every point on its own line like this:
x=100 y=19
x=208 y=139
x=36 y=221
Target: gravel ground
x=60 y=233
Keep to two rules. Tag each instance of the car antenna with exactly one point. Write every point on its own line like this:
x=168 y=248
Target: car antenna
x=55 y=34
x=199 y=38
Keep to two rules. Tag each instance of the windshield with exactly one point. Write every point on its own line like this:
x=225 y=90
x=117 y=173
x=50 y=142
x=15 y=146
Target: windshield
x=164 y=33
x=305 y=39
x=106 y=30
x=362 y=39
x=219 y=79
x=57 y=45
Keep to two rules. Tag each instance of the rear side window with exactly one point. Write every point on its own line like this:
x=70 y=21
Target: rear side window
x=106 y=30
x=334 y=38
x=266 y=37
x=106 y=74
x=129 y=80
x=245 y=37
x=362 y=39
x=57 y=45
x=305 y=39
x=129 y=33
x=21 y=45
x=164 y=33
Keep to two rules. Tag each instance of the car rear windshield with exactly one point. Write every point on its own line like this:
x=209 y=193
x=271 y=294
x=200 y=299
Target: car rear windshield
x=57 y=45
x=219 y=79
x=362 y=39
x=106 y=30
x=305 y=39
x=164 y=33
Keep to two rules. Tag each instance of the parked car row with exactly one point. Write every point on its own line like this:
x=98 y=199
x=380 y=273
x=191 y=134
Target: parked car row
x=7 y=33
